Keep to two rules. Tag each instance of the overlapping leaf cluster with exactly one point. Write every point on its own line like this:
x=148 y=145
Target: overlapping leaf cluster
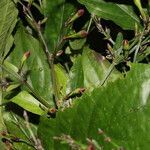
x=47 y=61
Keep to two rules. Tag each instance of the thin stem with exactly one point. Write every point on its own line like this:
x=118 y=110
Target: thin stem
x=111 y=68
x=37 y=143
x=44 y=42
x=23 y=141
x=101 y=30
x=137 y=48
x=50 y=59
x=146 y=40
x=29 y=128
x=50 y=56
x=20 y=141
x=89 y=25
x=19 y=124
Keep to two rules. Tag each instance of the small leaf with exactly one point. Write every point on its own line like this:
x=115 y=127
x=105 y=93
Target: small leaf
x=12 y=87
x=77 y=44
x=10 y=66
x=28 y=102
x=119 y=41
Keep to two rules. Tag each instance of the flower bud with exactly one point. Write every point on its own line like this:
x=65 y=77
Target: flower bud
x=126 y=45
x=25 y=57
x=80 y=34
x=52 y=112
x=79 y=13
x=27 y=54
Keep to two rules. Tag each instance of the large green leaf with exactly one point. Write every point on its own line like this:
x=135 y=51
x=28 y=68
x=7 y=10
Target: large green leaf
x=58 y=12
x=121 y=109
x=39 y=72
x=8 y=19
x=89 y=70
x=122 y=15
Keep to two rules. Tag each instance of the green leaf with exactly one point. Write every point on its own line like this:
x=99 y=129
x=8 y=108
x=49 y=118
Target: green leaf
x=58 y=12
x=143 y=54
x=89 y=70
x=8 y=46
x=119 y=41
x=121 y=109
x=39 y=72
x=28 y=102
x=61 y=80
x=10 y=66
x=122 y=15
x=2 y=125
x=12 y=87
x=77 y=44
x=1 y=119
x=16 y=127
x=10 y=69
x=8 y=19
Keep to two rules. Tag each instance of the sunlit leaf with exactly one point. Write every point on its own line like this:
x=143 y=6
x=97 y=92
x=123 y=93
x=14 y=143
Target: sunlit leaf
x=28 y=102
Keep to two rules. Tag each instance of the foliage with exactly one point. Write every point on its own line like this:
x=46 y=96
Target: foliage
x=74 y=74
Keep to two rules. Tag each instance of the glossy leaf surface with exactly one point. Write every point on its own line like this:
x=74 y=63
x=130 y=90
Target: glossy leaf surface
x=122 y=15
